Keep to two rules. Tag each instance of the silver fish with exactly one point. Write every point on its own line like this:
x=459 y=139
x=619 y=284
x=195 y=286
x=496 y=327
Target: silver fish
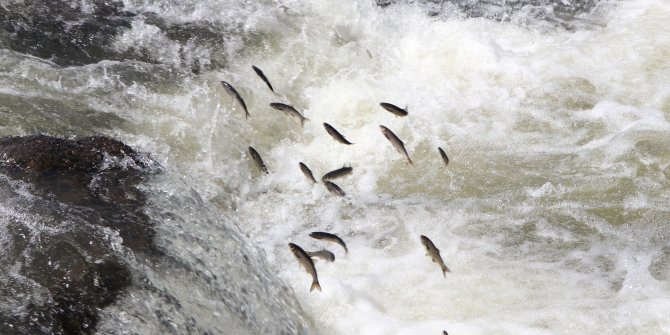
x=434 y=253
x=231 y=90
x=394 y=109
x=323 y=254
x=333 y=188
x=397 y=143
x=341 y=172
x=257 y=158
x=335 y=134
x=307 y=263
x=290 y=111
x=307 y=172
x=262 y=75
x=444 y=156
x=319 y=235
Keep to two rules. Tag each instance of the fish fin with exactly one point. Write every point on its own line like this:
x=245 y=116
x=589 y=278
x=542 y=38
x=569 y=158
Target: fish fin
x=315 y=285
x=445 y=269
x=302 y=122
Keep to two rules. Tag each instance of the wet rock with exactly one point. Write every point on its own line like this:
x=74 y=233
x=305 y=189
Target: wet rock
x=558 y=12
x=67 y=266
x=64 y=31
x=74 y=32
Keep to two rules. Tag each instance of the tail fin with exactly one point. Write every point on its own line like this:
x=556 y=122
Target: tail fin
x=445 y=269
x=315 y=285
x=302 y=121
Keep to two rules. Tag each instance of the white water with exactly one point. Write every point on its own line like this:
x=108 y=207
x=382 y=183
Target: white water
x=553 y=213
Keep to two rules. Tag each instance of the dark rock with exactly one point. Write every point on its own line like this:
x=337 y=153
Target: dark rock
x=63 y=31
x=84 y=190
x=72 y=33
x=557 y=12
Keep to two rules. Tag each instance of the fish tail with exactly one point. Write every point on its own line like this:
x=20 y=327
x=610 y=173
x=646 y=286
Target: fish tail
x=315 y=285
x=445 y=269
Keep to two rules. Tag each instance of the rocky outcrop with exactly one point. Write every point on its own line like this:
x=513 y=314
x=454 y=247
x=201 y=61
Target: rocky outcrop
x=67 y=267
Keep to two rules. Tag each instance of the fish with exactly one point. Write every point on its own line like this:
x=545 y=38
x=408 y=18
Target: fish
x=307 y=263
x=290 y=111
x=444 y=156
x=434 y=253
x=307 y=172
x=323 y=254
x=328 y=237
x=333 y=188
x=397 y=143
x=394 y=109
x=231 y=90
x=335 y=134
x=341 y=172
x=262 y=75
x=257 y=158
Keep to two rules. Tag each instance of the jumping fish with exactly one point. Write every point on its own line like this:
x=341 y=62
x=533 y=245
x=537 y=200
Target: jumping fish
x=307 y=263
x=444 y=156
x=257 y=158
x=262 y=75
x=290 y=111
x=336 y=134
x=323 y=254
x=231 y=90
x=333 y=188
x=307 y=172
x=341 y=172
x=434 y=253
x=394 y=109
x=319 y=235
x=397 y=143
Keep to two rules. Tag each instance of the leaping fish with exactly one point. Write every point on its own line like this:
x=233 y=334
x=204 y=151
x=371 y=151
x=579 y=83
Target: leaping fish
x=394 y=109
x=290 y=111
x=262 y=75
x=257 y=158
x=434 y=253
x=341 y=172
x=307 y=172
x=319 y=235
x=333 y=188
x=396 y=142
x=307 y=263
x=444 y=156
x=231 y=90
x=323 y=254
x=336 y=134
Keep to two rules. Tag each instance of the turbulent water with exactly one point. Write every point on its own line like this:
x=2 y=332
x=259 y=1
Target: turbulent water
x=553 y=213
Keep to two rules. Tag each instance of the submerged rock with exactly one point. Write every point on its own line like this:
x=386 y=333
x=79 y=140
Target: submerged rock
x=86 y=200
